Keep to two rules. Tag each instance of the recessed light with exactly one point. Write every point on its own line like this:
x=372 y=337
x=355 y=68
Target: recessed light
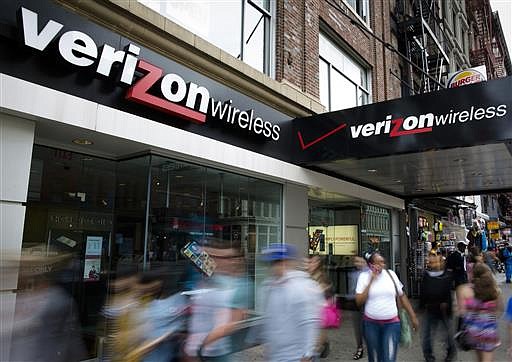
x=419 y=189
x=179 y=176
x=82 y=142
x=122 y=185
x=398 y=181
x=372 y=170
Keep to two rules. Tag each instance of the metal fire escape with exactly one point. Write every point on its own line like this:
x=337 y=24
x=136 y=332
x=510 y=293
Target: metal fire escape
x=421 y=38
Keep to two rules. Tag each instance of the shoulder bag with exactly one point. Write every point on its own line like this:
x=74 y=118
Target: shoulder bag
x=405 y=325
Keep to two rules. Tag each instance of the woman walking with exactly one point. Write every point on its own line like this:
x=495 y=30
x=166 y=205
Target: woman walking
x=480 y=305
x=315 y=268
x=376 y=290
x=360 y=266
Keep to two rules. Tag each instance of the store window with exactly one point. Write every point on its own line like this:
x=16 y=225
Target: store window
x=110 y=218
x=192 y=203
x=334 y=233
x=344 y=82
x=240 y=27
x=376 y=230
x=361 y=8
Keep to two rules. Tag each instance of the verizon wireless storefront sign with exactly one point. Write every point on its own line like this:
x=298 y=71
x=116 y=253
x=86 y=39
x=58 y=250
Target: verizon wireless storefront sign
x=178 y=98
x=465 y=116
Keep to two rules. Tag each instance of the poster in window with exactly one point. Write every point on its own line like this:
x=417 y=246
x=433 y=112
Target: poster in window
x=93 y=246
x=92 y=262
x=92 y=269
x=334 y=240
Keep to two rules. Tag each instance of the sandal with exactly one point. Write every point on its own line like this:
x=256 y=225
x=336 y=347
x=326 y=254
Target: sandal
x=358 y=354
x=326 y=350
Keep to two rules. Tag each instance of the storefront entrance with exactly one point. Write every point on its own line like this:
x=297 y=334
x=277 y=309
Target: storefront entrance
x=339 y=231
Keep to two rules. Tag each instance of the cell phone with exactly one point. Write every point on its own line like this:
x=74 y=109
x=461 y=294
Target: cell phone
x=195 y=253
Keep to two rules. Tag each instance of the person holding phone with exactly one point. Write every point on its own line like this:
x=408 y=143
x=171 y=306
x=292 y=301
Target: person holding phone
x=376 y=291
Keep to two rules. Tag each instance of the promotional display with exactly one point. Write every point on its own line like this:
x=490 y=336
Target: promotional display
x=334 y=240
x=92 y=263
x=195 y=253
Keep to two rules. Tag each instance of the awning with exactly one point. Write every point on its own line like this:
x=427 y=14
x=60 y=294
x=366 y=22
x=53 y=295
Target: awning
x=454 y=141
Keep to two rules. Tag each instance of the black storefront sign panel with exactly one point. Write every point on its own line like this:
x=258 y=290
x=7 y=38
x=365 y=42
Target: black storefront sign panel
x=43 y=43
x=466 y=116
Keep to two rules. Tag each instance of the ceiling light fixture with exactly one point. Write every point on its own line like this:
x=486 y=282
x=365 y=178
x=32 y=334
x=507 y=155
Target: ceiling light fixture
x=419 y=189
x=398 y=181
x=82 y=142
x=372 y=170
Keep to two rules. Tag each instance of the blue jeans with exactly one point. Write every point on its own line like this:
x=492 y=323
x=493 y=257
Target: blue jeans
x=381 y=340
x=508 y=271
x=430 y=323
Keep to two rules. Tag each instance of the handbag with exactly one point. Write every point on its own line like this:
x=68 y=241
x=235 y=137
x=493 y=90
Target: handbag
x=462 y=340
x=331 y=315
x=405 y=324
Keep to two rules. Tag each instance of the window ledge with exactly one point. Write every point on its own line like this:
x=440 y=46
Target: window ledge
x=154 y=31
x=358 y=17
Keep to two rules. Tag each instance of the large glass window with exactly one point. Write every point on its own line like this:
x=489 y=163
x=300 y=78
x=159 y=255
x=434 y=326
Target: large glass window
x=240 y=27
x=344 y=83
x=196 y=203
x=110 y=219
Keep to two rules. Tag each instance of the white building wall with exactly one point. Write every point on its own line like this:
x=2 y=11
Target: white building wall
x=16 y=141
x=295 y=216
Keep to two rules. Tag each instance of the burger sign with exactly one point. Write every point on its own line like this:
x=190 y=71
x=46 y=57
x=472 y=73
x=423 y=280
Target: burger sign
x=467 y=76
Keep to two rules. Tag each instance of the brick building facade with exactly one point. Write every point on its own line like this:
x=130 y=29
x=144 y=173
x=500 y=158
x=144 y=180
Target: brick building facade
x=299 y=24
x=488 y=47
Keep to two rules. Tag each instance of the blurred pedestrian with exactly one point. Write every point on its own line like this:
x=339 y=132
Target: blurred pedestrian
x=292 y=307
x=508 y=318
x=220 y=303
x=456 y=264
x=377 y=290
x=315 y=267
x=475 y=236
x=507 y=255
x=46 y=325
x=123 y=335
x=475 y=256
x=436 y=302
x=480 y=304
x=360 y=266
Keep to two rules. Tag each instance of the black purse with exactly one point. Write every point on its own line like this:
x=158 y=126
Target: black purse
x=462 y=338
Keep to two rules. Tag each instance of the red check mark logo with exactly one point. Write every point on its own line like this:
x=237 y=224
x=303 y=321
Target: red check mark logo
x=321 y=138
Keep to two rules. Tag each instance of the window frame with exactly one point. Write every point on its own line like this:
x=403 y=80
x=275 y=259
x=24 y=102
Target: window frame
x=360 y=17
x=269 y=24
x=331 y=67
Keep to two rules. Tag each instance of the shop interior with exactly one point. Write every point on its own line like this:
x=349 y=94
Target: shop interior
x=340 y=228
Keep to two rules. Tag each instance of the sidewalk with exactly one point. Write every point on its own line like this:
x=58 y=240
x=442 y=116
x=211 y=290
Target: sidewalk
x=343 y=342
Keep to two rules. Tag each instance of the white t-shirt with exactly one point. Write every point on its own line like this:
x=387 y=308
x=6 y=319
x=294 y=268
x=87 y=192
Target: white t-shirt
x=381 y=302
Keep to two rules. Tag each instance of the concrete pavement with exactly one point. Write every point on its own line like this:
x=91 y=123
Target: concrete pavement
x=343 y=342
